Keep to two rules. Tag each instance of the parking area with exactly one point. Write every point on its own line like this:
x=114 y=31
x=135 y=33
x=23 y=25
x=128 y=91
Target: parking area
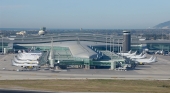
x=161 y=67
x=6 y=64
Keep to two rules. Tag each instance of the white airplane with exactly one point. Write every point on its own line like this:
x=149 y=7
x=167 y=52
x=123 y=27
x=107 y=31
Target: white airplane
x=151 y=58
x=133 y=54
x=146 y=61
x=138 y=56
x=29 y=61
x=25 y=59
x=125 y=54
x=14 y=63
x=141 y=54
x=159 y=52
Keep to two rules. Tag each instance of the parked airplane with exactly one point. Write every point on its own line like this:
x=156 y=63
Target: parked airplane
x=124 y=54
x=24 y=59
x=138 y=56
x=146 y=61
x=151 y=58
x=159 y=52
x=133 y=54
x=14 y=63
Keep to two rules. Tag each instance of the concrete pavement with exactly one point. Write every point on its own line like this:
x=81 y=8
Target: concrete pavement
x=156 y=71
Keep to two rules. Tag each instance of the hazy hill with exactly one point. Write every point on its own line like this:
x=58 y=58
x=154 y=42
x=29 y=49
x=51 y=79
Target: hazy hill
x=164 y=25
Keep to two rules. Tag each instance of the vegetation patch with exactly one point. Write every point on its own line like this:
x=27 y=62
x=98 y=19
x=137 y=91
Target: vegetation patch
x=98 y=85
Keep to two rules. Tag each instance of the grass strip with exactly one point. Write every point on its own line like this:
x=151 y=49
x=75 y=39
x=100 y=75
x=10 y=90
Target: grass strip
x=98 y=85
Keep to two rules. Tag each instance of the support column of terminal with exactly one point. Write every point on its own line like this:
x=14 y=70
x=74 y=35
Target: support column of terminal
x=87 y=64
x=112 y=65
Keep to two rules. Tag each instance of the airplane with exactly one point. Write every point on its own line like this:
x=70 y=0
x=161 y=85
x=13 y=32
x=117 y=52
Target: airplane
x=141 y=54
x=124 y=54
x=146 y=61
x=138 y=56
x=160 y=52
x=151 y=58
x=27 y=60
x=14 y=63
x=133 y=54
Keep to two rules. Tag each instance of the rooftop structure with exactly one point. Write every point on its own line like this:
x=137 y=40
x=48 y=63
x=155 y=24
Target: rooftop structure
x=42 y=31
x=21 y=33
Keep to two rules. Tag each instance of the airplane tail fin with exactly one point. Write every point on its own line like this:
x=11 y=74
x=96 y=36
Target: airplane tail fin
x=133 y=54
x=130 y=51
x=151 y=58
x=154 y=59
x=23 y=51
x=141 y=54
x=144 y=55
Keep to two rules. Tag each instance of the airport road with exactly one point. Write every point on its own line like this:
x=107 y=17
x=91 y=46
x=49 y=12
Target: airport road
x=156 y=71
x=22 y=91
x=33 y=91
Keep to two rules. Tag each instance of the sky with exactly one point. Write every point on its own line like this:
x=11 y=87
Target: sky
x=86 y=14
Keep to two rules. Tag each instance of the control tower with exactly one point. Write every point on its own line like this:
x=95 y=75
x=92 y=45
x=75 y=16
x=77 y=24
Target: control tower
x=126 y=41
x=43 y=28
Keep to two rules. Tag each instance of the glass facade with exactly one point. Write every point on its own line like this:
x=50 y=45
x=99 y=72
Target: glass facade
x=161 y=46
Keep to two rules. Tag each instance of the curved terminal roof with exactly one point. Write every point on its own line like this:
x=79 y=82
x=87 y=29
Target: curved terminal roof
x=77 y=50
x=82 y=51
x=62 y=37
x=74 y=37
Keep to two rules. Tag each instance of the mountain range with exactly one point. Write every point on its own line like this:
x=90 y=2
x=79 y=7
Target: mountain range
x=164 y=25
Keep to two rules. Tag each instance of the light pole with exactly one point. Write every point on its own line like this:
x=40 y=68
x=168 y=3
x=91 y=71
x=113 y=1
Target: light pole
x=162 y=35
x=168 y=49
x=118 y=46
x=58 y=59
x=2 y=45
x=106 y=42
x=113 y=45
x=110 y=42
x=123 y=47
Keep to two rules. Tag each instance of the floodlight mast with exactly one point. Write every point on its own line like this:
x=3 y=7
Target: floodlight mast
x=2 y=45
x=58 y=58
x=106 y=42
x=110 y=43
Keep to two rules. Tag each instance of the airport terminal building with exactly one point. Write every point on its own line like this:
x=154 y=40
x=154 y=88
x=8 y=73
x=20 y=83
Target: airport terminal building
x=81 y=50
